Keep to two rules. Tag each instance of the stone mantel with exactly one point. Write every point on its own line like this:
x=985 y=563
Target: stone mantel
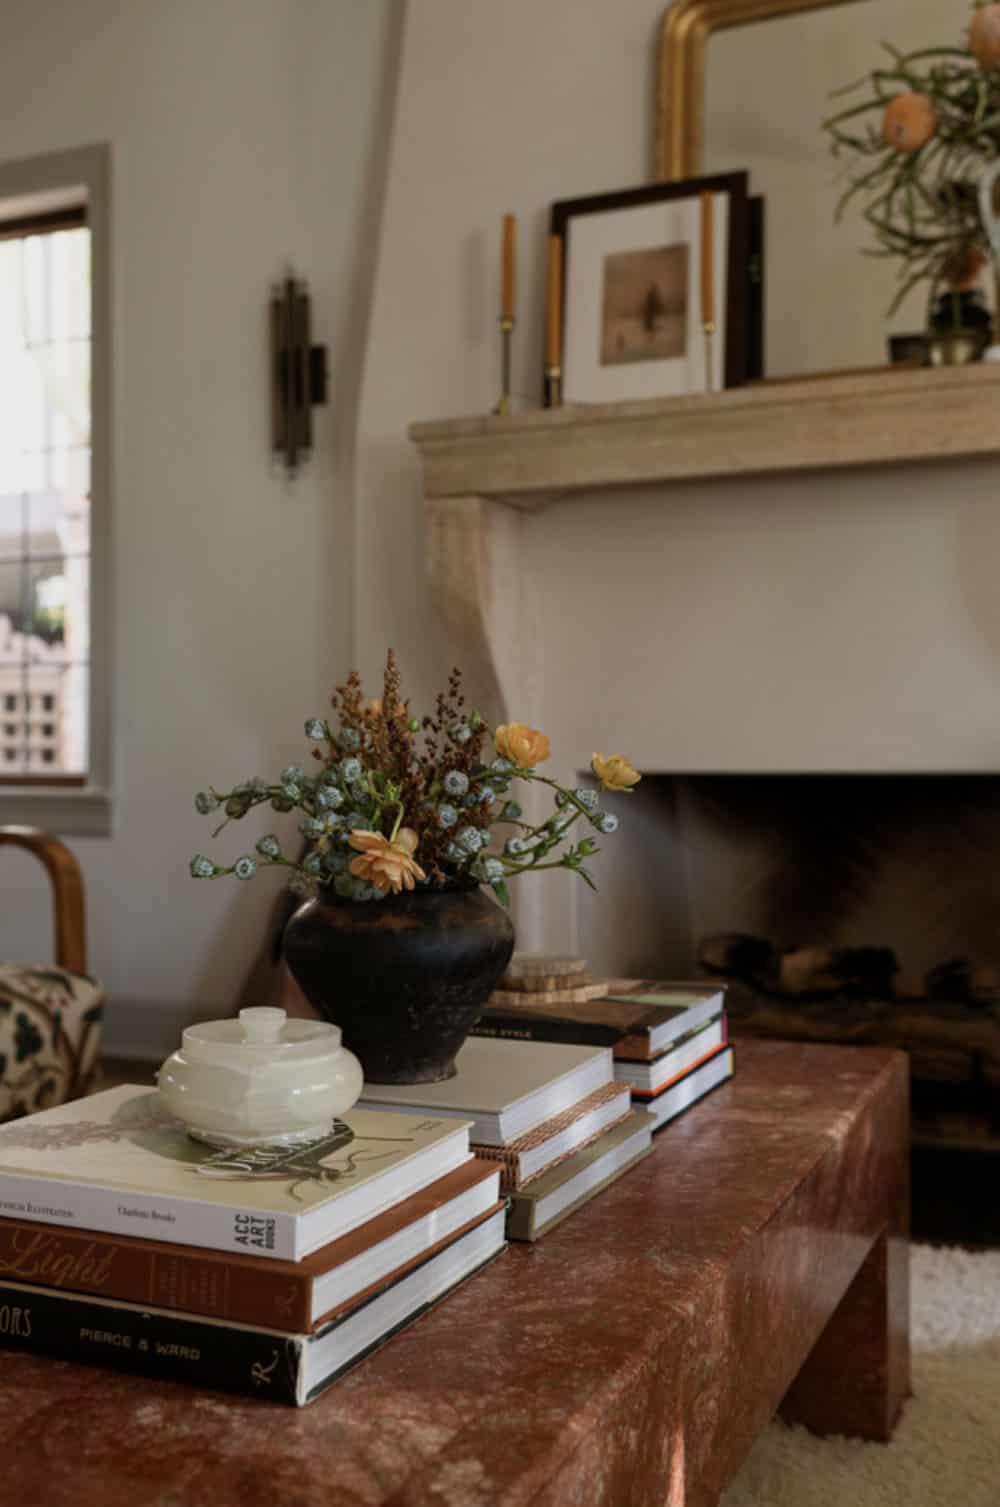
x=484 y=476
x=884 y=417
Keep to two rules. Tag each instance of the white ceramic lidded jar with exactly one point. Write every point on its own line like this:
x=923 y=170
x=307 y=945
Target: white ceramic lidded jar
x=261 y=1079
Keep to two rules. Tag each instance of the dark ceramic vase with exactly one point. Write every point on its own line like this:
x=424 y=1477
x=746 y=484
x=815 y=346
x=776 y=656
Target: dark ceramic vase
x=405 y=978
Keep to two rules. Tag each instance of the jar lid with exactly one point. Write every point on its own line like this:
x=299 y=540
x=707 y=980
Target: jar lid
x=261 y=1034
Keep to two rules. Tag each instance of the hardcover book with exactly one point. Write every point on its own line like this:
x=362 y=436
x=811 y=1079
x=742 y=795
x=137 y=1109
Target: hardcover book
x=290 y=1295
x=117 y=1162
x=555 y=1139
x=505 y=1089
x=557 y=1193
x=693 y=1086
x=261 y=1362
x=637 y=1018
x=649 y=1078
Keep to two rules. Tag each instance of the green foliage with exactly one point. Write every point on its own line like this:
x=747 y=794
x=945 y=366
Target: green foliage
x=437 y=786
x=922 y=206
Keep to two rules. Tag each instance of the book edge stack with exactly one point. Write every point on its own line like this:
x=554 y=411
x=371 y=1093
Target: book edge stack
x=631 y=1045
x=452 y=1225
x=572 y=1174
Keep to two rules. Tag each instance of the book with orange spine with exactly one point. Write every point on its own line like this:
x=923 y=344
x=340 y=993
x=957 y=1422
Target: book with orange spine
x=288 y=1295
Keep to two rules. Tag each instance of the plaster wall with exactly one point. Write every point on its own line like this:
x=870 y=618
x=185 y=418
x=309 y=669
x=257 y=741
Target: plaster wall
x=832 y=622
x=245 y=135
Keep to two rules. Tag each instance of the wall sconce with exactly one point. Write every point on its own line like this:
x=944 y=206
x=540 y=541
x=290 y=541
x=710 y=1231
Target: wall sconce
x=298 y=373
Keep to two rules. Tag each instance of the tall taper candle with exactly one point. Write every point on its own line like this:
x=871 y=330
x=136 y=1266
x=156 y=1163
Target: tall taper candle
x=553 y=323
x=509 y=278
x=707 y=259
x=553 y=304
x=708 y=286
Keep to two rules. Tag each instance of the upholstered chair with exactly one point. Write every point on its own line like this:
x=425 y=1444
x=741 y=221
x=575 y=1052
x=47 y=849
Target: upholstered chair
x=50 y=1014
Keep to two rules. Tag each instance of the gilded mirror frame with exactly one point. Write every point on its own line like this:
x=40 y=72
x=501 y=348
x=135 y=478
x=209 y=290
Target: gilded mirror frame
x=680 y=94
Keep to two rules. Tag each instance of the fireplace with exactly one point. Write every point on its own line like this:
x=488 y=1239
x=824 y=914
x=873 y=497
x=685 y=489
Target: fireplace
x=812 y=650
x=859 y=908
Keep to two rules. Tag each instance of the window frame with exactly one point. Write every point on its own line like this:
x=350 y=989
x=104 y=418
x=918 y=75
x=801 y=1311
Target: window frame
x=33 y=189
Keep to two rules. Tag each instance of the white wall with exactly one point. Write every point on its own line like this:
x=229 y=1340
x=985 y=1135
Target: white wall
x=845 y=621
x=245 y=134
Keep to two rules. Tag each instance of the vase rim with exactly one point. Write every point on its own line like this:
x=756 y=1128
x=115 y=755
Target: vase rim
x=453 y=887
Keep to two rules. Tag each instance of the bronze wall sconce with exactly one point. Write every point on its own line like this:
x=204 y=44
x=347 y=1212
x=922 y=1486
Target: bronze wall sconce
x=298 y=373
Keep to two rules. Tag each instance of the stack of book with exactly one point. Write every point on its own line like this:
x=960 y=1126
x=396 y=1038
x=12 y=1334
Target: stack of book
x=270 y=1271
x=550 y=1116
x=669 y=1040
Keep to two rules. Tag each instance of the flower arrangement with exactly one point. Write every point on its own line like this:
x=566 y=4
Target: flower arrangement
x=400 y=803
x=917 y=144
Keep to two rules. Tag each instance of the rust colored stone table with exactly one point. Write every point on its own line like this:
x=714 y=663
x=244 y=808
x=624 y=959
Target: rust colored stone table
x=629 y=1358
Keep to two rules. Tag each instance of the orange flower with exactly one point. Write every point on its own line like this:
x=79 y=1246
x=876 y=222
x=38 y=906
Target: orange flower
x=387 y=865
x=614 y=772
x=522 y=745
x=984 y=36
x=909 y=122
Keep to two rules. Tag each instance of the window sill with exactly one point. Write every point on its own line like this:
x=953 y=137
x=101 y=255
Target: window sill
x=83 y=812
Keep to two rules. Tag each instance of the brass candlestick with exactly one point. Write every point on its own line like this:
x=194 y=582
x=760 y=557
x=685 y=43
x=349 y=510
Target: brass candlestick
x=553 y=387
x=506 y=336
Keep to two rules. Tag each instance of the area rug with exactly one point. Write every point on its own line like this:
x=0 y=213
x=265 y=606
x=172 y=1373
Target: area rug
x=946 y=1450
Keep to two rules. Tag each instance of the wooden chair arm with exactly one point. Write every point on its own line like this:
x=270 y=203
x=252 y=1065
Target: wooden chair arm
x=67 y=892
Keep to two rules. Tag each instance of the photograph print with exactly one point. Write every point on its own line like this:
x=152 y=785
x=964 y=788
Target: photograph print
x=633 y=294
x=644 y=305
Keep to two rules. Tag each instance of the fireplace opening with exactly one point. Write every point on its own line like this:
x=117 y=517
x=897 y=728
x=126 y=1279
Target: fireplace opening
x=847 y=908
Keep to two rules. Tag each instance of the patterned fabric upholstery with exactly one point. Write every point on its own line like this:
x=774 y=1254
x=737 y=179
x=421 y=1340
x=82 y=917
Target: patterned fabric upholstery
x=50 y=1031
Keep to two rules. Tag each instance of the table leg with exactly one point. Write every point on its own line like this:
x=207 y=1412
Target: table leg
x=857 y=1376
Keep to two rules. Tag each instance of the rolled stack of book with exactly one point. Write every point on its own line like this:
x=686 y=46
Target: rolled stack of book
x=669 y=1040
x=123 y=1242
x=549 y=1115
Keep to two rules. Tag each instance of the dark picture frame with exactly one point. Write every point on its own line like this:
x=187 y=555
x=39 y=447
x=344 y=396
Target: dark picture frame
x=737 y=354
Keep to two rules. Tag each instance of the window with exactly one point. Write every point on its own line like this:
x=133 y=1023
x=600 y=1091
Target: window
x=45 y=481
x=54 y=384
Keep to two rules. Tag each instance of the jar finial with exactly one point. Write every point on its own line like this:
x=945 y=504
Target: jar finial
x=262 y=1024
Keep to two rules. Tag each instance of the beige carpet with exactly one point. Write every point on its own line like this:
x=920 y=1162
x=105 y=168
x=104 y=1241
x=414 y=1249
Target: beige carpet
x=946 y=1451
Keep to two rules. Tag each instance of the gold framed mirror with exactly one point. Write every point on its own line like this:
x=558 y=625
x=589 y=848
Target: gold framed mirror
x=680 y=95
x=835 y=294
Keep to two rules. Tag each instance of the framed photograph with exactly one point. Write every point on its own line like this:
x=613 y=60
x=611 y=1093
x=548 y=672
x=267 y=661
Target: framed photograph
x=635 y=278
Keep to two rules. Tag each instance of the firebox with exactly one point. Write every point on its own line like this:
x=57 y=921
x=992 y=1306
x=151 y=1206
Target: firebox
x=847 y=908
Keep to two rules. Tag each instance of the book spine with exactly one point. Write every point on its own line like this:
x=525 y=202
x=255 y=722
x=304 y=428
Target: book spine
x=180 y=1221
x=518 y=1026
x=166 y=1346
x=192 y=1281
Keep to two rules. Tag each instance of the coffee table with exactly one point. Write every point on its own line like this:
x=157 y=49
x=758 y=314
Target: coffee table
x=758 y=1258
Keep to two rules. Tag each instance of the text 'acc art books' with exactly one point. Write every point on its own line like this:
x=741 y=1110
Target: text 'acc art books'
x=117 y=1162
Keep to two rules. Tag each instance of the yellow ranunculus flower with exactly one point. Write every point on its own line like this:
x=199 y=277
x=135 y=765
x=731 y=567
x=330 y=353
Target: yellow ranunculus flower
x=522 y=745
x=387 y=865
x=614 y=772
